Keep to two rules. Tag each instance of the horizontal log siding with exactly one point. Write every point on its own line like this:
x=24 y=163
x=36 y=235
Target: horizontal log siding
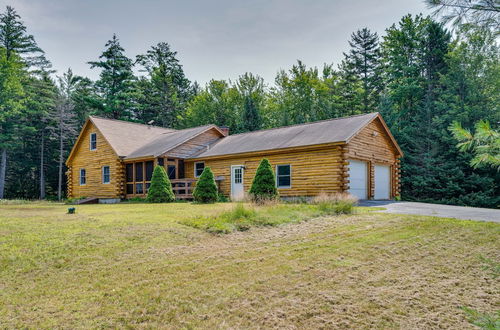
x=195 y=145
x=93 y=161
x=313 y=171
x=376 y=149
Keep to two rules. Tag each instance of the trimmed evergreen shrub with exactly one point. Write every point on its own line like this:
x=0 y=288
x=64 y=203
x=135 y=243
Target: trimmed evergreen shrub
x=264 y=183
x=205 y=190
x=160 y=190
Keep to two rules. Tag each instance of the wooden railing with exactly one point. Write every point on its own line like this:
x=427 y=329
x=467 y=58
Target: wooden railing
x=183 y=188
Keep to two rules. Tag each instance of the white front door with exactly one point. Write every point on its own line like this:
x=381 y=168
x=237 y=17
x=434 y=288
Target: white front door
x=237 y=190
x=358 y=179
x=382 y=182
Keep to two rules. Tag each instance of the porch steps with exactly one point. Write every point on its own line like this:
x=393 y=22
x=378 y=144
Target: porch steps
x=89 y=200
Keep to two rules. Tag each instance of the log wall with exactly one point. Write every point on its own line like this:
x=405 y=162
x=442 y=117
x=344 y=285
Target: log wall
x=313 y=171
x=373 y=145
x=93 y=161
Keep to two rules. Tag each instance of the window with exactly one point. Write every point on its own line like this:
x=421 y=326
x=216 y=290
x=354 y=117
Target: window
x=138 y=172
x=106 y=176
x=283 y=176
x=149 y=170
x=83 y=177
x=93 y=141
x=129 y=170
x=161 y=161
x=238 y=177
x=198 y=168
x=138 y=188
x=171 y=171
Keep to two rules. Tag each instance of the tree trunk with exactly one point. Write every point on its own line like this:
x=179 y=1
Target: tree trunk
x=3 y=167
x=42 y=169
x=61 y=150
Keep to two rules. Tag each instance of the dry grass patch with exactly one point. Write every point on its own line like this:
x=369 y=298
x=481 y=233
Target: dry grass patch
x=134 y=265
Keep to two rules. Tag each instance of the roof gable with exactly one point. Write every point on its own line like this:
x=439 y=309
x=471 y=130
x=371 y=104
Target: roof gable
x=125 y=137
x=168 y=141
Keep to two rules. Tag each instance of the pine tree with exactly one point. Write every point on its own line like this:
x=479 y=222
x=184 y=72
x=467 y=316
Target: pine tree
x=251 y=115
x=116 y=83
x=18 y=50
x=205 y=190
x=160 y=190
x=15 y=39
x=264 y=183
x=12 y=103
x=166 y=90
x=364 y=60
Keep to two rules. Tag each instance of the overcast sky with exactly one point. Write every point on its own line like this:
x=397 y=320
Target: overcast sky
x=215 y=39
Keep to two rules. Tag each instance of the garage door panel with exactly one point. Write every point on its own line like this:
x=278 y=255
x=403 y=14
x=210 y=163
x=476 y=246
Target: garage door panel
x=358 y=179
x=382 y=182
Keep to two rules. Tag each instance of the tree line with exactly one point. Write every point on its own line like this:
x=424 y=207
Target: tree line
x=419 y=75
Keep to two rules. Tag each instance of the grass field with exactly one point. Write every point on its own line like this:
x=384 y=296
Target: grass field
x=138 y=266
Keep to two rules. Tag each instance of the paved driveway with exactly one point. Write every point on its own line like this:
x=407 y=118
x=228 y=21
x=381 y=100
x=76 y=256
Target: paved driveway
x=437 y=210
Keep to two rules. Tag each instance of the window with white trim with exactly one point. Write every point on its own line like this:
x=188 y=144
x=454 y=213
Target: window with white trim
x=83 y=177
x=106 y=175
x=284 y=176
x=93 y=141
x=198 y=168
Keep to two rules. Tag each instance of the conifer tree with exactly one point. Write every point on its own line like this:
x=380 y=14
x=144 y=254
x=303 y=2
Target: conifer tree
x=164 y=93
x=160 y=190
x=205 y=190
x=264 y=183
x=116 y=81
x=251 y=116
x=363 y=60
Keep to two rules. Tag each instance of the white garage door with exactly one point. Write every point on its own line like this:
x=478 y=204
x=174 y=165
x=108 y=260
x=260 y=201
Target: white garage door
x=382 y=182
x=358 y=179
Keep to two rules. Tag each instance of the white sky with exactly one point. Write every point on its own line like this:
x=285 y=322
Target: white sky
x=215 y=39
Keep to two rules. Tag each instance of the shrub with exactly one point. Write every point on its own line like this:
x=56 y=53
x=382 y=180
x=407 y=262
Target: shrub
x=339 y=203
x=264 y=183
x=160 y=190
x=205 y=190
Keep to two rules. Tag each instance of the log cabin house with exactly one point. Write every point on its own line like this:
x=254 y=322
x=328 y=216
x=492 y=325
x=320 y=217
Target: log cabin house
x=114 y=159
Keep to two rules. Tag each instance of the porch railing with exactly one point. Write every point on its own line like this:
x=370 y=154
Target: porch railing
x=183 y=188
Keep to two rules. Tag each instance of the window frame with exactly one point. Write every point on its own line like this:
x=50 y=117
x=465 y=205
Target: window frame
x=103 y=174
x=197 y=176
x=289 y=175
x=90 y=141
x=84 y=176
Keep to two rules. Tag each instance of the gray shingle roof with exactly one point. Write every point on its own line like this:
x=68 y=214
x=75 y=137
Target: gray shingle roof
x=125 y=137
x=320 y=132
x=166 y=142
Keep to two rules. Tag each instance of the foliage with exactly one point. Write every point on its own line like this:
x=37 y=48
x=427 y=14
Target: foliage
x=341 y=203
x=482 y=13
x=419 y=76
x=115 y=85
x=164 y=93
x=160 y=190
x=264 y=183
x=483 y=321
x=205 y=190
x=484 y=143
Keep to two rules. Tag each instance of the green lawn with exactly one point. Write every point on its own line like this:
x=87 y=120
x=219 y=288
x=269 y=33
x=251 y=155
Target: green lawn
x=138 y=266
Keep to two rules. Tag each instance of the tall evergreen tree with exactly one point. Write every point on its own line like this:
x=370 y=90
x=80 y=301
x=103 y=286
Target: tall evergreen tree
x=251 y=89
x=251 y=115
x=115 y=86
x=166 y=90
x=363 y=60
x=18 y=50
x=15 y=39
